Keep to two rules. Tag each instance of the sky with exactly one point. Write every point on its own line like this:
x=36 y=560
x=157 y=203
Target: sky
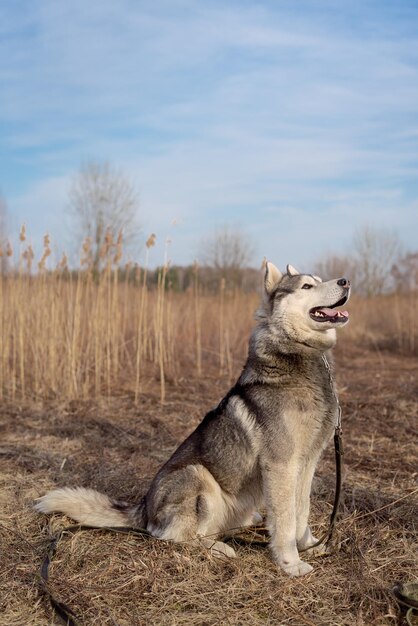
x=296 y=121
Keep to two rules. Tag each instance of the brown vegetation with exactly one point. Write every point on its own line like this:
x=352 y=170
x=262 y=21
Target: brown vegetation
x=101 y=378
x=116 y=447
x=83 y=334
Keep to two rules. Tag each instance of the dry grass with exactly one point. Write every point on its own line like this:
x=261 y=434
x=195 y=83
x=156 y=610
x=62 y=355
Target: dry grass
x=131 y=581
x=68 y=336
x=388 y=322
x=100 y=379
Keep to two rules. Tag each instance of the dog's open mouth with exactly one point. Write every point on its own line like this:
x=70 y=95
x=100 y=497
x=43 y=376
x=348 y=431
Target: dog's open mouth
x=329 y=314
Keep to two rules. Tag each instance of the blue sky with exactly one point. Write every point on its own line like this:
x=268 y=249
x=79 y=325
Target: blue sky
x=296 y=120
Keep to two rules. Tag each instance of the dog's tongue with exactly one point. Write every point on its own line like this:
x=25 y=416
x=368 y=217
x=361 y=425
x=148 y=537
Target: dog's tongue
x=334 y=312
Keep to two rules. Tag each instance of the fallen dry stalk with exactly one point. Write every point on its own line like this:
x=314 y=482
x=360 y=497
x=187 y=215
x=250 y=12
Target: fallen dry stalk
x=386 y=506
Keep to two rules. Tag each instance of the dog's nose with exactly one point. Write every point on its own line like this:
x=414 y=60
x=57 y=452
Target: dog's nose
x=343 y=282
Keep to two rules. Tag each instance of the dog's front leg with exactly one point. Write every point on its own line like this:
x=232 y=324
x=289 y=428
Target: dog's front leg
x=304 y=537
x=279 y=483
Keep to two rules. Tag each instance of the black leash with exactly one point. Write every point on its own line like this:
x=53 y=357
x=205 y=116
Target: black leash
x=407 y=596
x=60 y=608
x=339 y=453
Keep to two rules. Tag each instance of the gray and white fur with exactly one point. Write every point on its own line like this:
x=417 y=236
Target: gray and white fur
x=258 y=447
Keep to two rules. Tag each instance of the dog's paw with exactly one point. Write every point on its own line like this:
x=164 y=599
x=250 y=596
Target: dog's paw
x=307 y=540
x=319 y=550
x=307 y=545
x=219 y=549
x=296 y=569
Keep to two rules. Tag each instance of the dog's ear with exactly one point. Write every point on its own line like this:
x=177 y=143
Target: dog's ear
x=272 y=277
x=292 y=271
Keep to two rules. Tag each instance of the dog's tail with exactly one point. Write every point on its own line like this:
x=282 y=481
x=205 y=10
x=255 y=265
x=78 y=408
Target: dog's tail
x=91 y=508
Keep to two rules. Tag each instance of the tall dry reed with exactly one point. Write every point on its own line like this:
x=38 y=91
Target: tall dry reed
x=67 y=334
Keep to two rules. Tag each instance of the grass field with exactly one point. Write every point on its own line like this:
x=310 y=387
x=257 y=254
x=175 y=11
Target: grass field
x=100 y=380
x=114 y=445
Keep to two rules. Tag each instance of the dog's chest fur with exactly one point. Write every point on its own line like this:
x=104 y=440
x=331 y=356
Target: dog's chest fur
x=292 y=401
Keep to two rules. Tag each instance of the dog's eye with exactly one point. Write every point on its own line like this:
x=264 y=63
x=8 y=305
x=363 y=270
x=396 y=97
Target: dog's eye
x=307 y=286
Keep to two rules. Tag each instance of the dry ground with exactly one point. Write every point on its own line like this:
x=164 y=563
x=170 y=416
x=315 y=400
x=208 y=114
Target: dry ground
x=110 y=579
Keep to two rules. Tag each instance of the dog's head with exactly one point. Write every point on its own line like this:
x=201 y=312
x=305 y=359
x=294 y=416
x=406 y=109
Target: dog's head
x=303 y=306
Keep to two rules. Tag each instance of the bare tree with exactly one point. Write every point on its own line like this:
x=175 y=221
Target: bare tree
x=229 y=251
x=102 y=200
x=336 y=266
x=405 y=273
x=371 y=264
x=375 y=250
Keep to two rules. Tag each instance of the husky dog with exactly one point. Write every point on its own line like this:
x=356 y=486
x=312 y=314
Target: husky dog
x=260 y=445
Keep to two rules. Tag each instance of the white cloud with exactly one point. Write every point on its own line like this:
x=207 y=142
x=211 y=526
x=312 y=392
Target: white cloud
x=277 y=118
